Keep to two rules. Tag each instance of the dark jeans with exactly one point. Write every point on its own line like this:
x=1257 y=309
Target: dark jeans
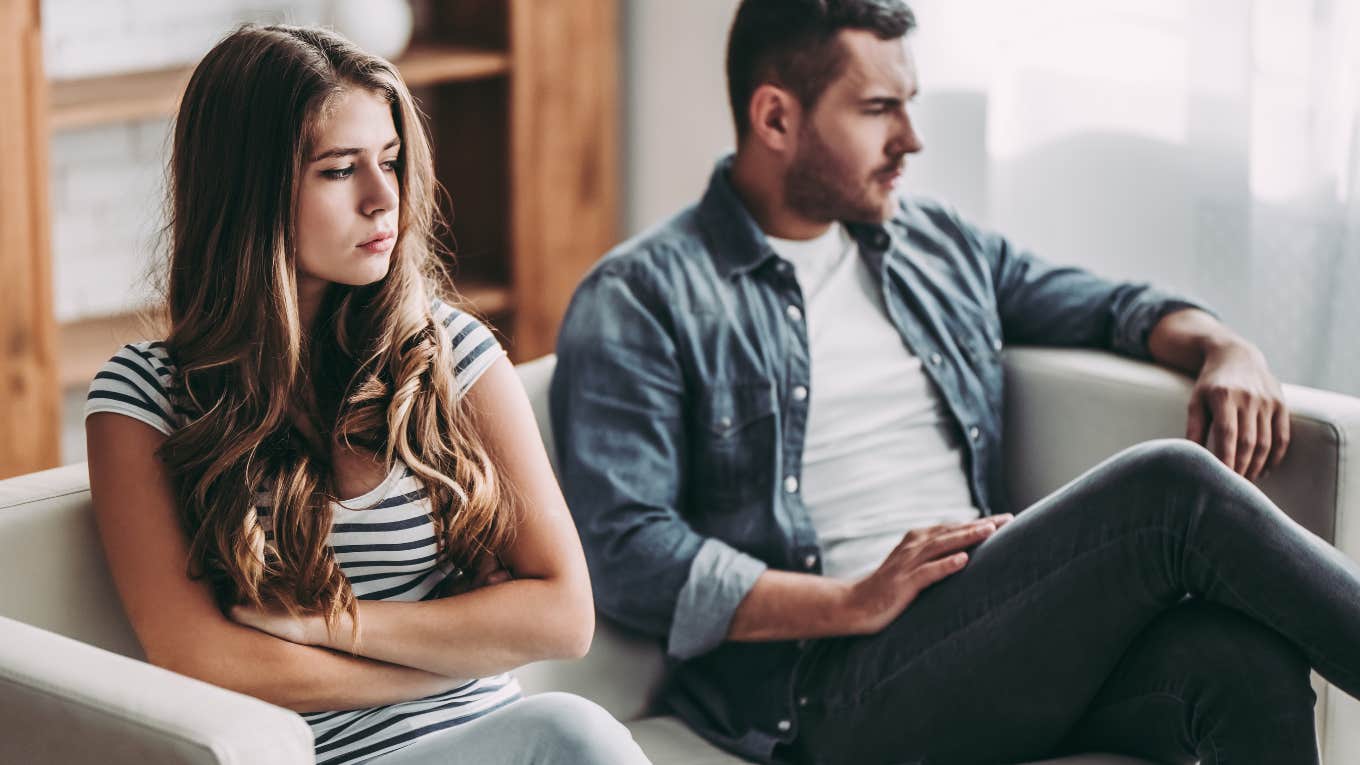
x=1158 y=606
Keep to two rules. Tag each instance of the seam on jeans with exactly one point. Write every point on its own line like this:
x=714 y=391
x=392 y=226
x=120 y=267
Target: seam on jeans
x=858 y=699
x=1247 y=608
x=1154 y=694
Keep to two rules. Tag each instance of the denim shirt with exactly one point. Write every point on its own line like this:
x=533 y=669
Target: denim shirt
x=680 y=443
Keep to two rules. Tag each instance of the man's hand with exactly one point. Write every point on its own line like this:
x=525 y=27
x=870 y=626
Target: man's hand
x=922 y=558
x=1237 y=409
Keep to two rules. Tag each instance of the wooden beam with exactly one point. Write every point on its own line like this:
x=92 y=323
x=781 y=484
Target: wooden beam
x=564 y=155
x=30 y=404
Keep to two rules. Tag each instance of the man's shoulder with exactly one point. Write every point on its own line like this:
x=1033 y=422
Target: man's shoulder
x=919 y=212
x=668 y=250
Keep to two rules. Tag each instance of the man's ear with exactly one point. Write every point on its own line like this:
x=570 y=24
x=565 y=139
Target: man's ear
x=774 y=115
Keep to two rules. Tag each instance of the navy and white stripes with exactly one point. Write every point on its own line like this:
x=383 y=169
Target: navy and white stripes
x=383 y=541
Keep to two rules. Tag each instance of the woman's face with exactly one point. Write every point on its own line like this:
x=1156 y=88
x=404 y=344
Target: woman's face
x=348 y=197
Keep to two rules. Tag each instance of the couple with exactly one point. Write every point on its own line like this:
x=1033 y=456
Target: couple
x=778 y=425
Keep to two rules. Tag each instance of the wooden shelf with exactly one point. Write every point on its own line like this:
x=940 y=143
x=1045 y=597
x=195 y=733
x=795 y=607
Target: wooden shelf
x=488 y=299
x=147 y=95
x=84 y=345
x=434 y=65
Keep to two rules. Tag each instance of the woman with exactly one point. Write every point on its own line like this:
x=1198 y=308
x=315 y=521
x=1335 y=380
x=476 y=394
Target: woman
x=325 y=487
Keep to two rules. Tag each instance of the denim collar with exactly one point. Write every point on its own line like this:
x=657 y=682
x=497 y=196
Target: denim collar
x=739 y=245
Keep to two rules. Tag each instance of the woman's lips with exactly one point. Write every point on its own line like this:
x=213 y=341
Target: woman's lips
x=380 y=243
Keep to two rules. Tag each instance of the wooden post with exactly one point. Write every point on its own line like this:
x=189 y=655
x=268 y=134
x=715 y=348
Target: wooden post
x=564 y=155
x=30 y=403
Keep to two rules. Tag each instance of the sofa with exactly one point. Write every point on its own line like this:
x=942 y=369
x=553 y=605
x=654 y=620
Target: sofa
x=74 y=688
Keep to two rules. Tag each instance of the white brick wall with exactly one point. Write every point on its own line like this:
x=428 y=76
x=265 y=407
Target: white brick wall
x=107 y=181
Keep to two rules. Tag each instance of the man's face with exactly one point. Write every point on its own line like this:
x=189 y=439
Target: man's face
x=852 y=144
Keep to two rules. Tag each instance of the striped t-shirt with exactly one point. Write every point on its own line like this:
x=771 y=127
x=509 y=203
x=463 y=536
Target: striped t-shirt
x=383 y=541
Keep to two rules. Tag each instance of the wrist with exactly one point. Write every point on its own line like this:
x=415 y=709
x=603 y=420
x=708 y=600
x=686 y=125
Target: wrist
x=1220 y=349
x=849 y=611
x=337 y=637
x=1221 y=342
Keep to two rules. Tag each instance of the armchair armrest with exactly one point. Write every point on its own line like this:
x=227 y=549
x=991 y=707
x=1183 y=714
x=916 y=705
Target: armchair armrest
x=1067 y=410
x=63 y=701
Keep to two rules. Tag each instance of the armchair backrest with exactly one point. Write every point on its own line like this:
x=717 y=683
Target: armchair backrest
x=1066 y=411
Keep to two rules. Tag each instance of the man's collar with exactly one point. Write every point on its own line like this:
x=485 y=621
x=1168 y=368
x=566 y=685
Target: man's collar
x=739 y=245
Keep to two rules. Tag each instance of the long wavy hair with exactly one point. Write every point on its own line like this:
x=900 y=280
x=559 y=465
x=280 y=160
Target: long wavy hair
x=375 y=371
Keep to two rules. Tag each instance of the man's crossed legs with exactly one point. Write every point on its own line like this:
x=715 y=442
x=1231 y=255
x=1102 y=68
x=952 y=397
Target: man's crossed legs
x=1160 y=606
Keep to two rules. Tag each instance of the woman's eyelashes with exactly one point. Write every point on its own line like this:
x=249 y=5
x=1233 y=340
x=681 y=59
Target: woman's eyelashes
x=341 y=173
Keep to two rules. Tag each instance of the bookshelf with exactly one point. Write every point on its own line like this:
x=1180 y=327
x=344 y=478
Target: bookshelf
x=521 y=97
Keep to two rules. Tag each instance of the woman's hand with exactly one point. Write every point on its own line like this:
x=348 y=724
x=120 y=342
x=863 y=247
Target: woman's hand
x=489 y=572
x=305 y=629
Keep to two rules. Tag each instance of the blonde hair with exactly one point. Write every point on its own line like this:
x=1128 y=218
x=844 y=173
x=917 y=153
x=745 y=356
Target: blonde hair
x=375 y=372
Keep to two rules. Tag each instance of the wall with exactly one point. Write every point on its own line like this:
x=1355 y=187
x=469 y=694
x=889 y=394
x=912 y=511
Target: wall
x=1212 y=148
x=106 y=181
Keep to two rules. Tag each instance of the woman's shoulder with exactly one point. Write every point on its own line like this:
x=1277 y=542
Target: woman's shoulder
x=474 y=346
x=136 y=382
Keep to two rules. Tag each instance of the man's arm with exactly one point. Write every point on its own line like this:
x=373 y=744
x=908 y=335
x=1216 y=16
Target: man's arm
x=785 y=605
x=618 y=409
x=1040 y=303
x=1237 y=407
x=618 y=402
x=1236 y=400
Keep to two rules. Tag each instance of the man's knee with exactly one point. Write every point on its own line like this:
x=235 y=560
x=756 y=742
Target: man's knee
x=1174 y=460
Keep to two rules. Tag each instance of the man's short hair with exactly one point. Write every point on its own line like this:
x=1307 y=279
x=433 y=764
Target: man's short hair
x=792 y=44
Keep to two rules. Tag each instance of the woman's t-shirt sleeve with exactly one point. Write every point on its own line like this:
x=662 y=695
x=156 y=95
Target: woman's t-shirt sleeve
x=475 y=349
x=134 y=383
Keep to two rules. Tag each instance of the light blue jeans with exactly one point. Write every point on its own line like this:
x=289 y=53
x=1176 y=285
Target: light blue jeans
x=546 y=729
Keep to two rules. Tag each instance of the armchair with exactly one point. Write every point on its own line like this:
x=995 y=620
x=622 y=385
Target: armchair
x=74 y=688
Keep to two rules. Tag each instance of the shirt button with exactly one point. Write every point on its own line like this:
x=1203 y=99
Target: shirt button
x=974 y=433
x=881 y=240
x=794 y=312
x=725 y=423
x=800 y=392
x=790 y=484
x=996 y=345
x=810 y=561
x=802 y=701
x=784 y=726
x=935 y=359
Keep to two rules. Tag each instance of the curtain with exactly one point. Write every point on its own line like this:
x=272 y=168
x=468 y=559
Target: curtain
x=1208 y=146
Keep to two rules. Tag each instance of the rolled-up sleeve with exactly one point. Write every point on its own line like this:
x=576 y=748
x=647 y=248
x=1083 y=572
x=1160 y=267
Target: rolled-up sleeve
x=617 y=403
x=719 y=579
x=1044 y=304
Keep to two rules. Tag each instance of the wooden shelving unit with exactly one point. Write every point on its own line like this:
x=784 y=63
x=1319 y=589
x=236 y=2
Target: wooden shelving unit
x=136 y=96
x=522 y=102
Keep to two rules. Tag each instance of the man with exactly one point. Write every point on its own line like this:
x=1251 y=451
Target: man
x=778 y=420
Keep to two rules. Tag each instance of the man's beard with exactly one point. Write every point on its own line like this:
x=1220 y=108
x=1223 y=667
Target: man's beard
x=818 y=188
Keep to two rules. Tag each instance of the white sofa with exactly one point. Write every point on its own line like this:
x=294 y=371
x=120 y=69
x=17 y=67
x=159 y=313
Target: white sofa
x=73 y=688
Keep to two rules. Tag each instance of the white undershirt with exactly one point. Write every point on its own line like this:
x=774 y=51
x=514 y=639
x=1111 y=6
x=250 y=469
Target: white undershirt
x=882 y=454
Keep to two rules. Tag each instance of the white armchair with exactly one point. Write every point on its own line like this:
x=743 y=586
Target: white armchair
x=73 y=688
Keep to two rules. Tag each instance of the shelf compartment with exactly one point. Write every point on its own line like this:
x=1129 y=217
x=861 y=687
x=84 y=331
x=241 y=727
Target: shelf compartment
x=135 y=96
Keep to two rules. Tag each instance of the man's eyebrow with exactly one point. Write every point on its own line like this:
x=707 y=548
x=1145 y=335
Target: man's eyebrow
x=349 y=151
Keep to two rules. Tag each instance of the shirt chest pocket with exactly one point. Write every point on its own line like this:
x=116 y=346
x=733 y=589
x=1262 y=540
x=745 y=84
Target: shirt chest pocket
x=734 y=446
